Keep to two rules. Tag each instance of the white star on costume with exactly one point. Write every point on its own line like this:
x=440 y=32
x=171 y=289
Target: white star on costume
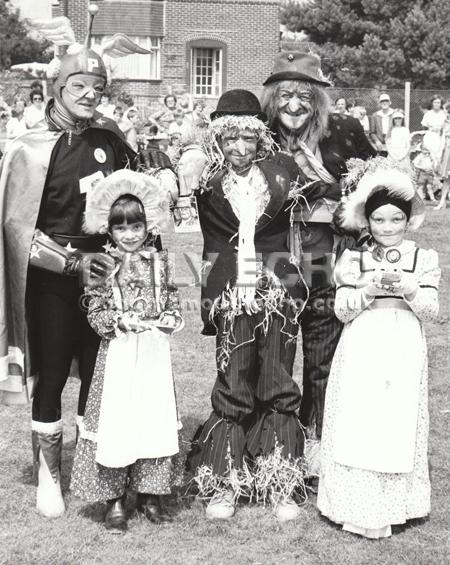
x=101 y=121
x=34 y=252
x=107 y=247
x=70 y=249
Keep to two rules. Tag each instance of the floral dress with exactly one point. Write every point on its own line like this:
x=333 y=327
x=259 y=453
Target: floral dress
x=374 y=467
x=129 y=433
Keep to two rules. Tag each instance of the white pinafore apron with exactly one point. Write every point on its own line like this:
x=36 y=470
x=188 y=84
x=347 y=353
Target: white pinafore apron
x=375 y=427
x=138 y=415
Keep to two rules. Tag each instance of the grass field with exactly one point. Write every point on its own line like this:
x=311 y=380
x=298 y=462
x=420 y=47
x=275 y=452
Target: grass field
x=253 y=536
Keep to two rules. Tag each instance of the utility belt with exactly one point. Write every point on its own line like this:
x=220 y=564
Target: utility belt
x=84 y=243
x=58 y=252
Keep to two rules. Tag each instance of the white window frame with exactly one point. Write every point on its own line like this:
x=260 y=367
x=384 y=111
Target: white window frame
x=200 y=86
x=135 y=66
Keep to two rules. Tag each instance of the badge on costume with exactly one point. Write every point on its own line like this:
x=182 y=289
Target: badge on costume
x=88 y=183
x=393 y=255
x=99 y=155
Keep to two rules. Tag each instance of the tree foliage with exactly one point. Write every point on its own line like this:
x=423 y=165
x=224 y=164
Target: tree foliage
x=17 y=46
x=376 y=43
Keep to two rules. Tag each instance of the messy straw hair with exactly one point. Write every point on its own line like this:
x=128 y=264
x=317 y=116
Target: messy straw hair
x=320 y=102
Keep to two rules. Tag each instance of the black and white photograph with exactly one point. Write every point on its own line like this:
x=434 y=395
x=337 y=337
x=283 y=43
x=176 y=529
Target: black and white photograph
x=185 y=218
x=224 y=282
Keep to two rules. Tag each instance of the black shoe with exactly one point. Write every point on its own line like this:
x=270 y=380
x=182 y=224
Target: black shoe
x=115 y=518
x=149 y=505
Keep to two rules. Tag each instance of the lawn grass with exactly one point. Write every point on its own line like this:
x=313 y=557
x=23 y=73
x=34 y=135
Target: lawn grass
x=253 y=536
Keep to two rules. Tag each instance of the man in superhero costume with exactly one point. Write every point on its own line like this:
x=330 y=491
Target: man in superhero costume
x=47 y=258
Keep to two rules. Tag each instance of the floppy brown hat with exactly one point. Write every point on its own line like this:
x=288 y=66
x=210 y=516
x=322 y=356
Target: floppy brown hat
x=295 y=65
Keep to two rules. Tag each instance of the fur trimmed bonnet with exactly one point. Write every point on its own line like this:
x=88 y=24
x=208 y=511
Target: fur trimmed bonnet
x=369 y=177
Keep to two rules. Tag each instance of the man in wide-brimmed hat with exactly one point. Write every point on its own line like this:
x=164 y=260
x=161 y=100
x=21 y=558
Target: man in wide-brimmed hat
x=251 y=291
x=298 y=110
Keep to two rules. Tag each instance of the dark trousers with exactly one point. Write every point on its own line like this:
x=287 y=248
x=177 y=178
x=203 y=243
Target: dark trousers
x=321 y=331
x=254 y=398
x=60 y=330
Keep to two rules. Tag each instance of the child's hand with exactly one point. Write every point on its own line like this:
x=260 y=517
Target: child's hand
x=407 y=286
x=373 y=287
x=381 y=280
x=131 y=323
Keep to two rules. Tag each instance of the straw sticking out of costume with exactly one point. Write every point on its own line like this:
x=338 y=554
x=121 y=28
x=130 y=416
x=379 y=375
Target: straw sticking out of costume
x=270 y=299
x=271 y=479
x=278 y=478
x=237 y=481
x=215 y=159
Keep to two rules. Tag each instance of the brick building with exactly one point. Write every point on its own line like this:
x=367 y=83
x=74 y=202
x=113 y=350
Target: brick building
x=203 y=46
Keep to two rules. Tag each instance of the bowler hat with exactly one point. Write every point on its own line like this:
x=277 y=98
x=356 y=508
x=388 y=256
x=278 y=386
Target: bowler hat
x=295 y=65
x=238 y=102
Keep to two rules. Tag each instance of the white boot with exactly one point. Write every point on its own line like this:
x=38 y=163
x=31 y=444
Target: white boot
x=47 y=447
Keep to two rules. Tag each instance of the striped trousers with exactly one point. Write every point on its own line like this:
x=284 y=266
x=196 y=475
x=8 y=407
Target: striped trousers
x=254 y=398
x=321 y=331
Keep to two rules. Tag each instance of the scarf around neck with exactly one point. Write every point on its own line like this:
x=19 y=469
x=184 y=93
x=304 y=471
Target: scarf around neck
x=306 y=152
x=60 y=119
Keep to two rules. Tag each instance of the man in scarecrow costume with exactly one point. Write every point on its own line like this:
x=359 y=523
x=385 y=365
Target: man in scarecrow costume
x=298 y=110
x=250 y=296
x=46 y=257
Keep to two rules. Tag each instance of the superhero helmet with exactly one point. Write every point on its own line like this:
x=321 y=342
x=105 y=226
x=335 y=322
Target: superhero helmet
x=73 y=58
x=79 y=60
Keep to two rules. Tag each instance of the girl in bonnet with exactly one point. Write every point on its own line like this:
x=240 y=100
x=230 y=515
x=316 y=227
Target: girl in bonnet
x=374 y=468
x=130 y=429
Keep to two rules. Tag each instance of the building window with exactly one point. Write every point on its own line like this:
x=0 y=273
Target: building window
x=207 y=67
x=136 y=66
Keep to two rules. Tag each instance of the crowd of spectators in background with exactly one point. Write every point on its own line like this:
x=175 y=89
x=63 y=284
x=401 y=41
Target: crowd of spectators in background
x=19 y=117
x=427 y=152
x=163 y=128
